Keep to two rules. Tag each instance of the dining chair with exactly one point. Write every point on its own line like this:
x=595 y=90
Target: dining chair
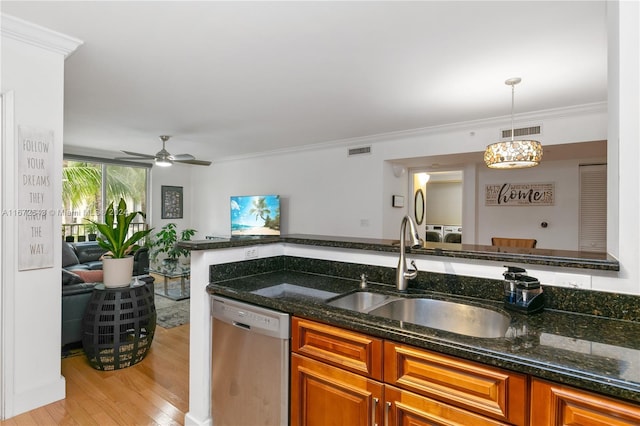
x=513 y=242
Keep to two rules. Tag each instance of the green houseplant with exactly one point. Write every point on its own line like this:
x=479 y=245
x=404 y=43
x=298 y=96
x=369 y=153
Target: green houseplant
x=118 y=262
x=92 y=231
x=164 y=242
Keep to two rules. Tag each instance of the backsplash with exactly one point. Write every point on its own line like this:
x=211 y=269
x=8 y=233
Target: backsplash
x=589 y=302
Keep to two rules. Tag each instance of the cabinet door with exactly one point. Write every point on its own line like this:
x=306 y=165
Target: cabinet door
x=323 y=395
x=403 y=408
x=557 y=405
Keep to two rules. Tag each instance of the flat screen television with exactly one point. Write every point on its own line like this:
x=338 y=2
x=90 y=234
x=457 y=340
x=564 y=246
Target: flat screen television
x=253 y=215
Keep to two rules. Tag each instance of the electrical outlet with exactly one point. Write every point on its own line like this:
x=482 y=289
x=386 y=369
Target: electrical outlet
x=572 y=280
x=251 y=253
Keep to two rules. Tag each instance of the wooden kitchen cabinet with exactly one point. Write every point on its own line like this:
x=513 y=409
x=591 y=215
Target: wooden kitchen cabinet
x=323 y=395
x=558 y=405
x=336 y=379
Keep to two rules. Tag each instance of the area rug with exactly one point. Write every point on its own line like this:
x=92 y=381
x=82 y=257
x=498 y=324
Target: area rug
x=170 y=313
x=72 y=349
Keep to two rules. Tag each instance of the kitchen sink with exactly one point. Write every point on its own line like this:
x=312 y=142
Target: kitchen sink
x=455 y=317
x=286 y=290
x=361 y=301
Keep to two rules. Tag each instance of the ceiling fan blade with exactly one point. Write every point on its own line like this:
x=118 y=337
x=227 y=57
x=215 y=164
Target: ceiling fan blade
x=182 y=157
x=137 y=154
x=195 y=162
x=134 y=159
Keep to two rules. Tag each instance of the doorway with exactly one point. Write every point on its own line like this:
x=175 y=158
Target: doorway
x=442 y=195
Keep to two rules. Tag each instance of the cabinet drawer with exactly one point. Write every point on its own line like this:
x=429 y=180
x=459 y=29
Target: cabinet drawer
x=345 y=349
x=407 y=408
x=492 y=392
x=553 y=404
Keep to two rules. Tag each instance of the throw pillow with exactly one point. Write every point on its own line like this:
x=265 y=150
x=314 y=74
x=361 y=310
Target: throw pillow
x=68 y=255
x=93 y=276
x=69 y=277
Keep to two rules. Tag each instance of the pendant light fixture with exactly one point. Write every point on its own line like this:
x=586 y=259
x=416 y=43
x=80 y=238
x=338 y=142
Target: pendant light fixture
x=513 y=154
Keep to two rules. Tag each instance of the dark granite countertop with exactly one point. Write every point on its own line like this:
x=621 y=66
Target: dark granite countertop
x=549 y=257
x=588 y=352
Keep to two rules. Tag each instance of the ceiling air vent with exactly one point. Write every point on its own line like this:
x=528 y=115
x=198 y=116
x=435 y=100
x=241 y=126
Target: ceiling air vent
x=361 y=150
x=523 y=131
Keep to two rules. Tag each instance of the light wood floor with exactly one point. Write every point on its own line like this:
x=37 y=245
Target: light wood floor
x=154 y=391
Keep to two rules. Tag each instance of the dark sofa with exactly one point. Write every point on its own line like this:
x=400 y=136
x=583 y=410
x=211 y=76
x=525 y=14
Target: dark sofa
x=85 y=256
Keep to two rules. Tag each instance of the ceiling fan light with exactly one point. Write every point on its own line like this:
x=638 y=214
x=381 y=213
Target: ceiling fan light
x=513 y=154
x=163 y=162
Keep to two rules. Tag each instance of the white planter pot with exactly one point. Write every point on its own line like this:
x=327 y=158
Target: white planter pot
x=117 y=272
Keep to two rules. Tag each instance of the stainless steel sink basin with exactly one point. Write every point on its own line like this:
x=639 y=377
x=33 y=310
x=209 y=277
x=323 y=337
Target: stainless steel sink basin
x=361 y=301
x=286 y=290
x=448 y=316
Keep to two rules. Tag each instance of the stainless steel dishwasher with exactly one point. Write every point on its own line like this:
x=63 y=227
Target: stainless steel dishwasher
x=250 y=371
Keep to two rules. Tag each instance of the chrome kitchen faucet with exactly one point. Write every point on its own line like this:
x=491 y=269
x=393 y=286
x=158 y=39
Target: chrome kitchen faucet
x=403 y=273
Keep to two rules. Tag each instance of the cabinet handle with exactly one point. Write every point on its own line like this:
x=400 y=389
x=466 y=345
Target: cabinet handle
x=387 y=407
x=373 y=411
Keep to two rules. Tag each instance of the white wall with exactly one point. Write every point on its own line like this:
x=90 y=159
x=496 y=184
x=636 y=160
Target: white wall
x=321 y=192
x=562 y=232
x=33 y=70
x=176 y=175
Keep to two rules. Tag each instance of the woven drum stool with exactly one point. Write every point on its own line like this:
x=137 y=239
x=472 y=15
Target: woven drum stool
x=118 y=326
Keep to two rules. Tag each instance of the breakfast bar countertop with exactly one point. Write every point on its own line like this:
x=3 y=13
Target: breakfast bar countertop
x=585 y=351
x=534 y=256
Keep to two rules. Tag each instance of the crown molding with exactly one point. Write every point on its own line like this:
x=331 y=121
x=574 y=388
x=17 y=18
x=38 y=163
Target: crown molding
x=35 y=35
x=592 y=108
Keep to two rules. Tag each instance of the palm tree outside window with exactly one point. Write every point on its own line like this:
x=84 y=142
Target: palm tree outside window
x=88 y=185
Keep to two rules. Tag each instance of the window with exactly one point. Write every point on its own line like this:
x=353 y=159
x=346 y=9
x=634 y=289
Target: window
x=90 y=184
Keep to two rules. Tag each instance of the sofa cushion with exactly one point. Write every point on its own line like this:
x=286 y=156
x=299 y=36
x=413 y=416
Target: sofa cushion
x=77 y=267
x=93 y=265
x=69 y=278
x=89 y=251
x=94 y=276
x=68 y=255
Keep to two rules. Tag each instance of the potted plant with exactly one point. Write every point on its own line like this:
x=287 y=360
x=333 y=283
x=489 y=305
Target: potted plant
x=91 y=229
x=164 y=242
x=118 y=262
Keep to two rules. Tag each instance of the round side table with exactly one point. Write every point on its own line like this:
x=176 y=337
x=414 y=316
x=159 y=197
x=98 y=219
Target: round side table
x=118 y=326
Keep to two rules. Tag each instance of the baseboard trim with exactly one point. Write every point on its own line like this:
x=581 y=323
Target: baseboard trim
x=190 y=420
x=38 y=397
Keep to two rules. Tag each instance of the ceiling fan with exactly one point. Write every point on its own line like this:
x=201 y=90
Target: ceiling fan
x=163 y=158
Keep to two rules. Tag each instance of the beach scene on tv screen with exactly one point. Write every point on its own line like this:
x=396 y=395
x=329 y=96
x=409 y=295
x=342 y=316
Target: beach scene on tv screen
x=255 y=215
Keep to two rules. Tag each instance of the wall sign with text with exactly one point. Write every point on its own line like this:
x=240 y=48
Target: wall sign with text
x=35 y=198
x=519 y=194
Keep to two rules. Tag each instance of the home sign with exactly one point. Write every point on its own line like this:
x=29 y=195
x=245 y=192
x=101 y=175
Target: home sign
x=519 y=194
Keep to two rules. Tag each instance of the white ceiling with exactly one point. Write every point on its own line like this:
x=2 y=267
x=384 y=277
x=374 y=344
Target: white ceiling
x=230 y=79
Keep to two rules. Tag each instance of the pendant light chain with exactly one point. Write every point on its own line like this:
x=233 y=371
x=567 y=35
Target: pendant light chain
x=513 y=96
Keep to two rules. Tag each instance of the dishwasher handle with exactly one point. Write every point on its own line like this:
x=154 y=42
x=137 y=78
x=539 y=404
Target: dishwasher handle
x=241 y=325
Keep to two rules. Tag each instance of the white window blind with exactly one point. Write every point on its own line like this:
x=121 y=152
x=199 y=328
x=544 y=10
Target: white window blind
x=593 y=208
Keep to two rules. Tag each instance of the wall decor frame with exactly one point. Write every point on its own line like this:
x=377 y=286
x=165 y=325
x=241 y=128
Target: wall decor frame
x=397 y=201
x=519 y=194
x=172 y=202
